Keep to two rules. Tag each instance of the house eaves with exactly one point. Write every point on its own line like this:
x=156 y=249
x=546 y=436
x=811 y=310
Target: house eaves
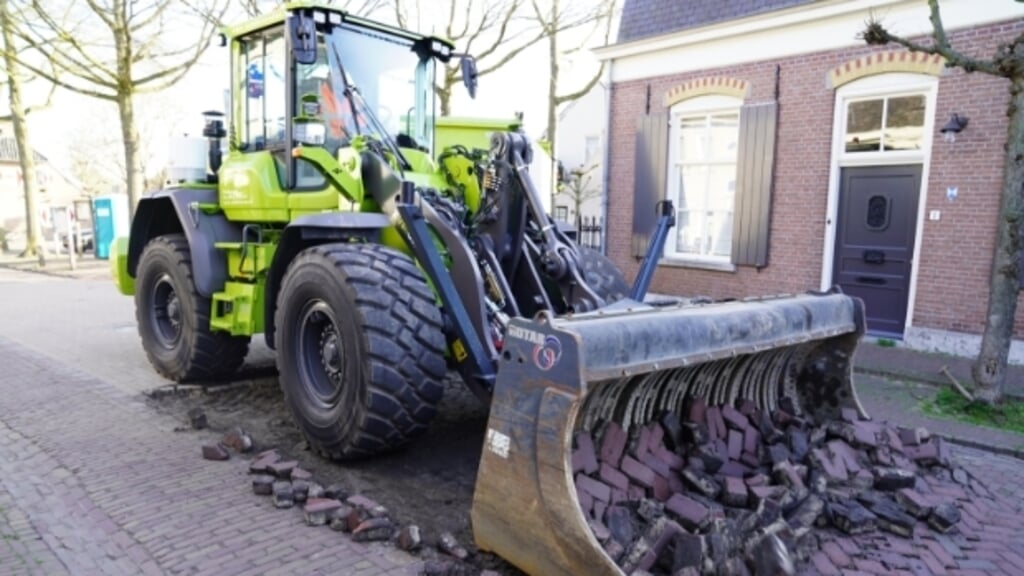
x=815 y=27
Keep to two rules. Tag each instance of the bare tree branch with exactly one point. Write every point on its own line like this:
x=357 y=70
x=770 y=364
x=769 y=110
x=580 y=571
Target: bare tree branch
x=876 y=34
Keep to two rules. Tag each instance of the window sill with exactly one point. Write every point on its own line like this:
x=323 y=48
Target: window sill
x=701 y=264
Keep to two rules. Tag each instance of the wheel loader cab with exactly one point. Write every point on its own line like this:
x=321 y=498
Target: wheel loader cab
x=321 y=78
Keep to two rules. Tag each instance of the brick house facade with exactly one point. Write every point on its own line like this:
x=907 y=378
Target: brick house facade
x=803 y=63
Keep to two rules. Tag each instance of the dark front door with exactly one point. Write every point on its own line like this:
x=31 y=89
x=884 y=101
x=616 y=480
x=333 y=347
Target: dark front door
x=875 y=241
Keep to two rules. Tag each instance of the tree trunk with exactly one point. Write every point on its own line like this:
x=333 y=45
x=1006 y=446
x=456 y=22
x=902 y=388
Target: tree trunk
x=989 y=370
x=132 y=157
x=553 y=101
x=26 y=158
x=444 y=91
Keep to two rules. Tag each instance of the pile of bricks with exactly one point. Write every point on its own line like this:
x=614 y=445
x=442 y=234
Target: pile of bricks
x=731 y=489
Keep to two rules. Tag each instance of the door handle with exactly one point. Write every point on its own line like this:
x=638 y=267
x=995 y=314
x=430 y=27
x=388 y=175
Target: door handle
x=872 y=280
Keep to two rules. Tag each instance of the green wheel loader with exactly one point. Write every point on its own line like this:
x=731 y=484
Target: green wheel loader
x=374 y=260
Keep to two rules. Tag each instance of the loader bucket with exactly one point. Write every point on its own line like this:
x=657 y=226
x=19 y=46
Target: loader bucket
x=628 y=363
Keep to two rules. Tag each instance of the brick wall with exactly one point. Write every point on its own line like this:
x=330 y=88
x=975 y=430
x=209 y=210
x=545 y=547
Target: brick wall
x=956 y=253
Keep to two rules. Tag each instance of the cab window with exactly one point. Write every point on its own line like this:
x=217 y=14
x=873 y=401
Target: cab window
x=263 y=62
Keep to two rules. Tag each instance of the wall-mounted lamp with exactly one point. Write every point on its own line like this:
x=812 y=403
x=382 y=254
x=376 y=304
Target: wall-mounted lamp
x=953 y=127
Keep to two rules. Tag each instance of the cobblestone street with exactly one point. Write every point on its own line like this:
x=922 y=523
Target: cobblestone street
x=94 y=481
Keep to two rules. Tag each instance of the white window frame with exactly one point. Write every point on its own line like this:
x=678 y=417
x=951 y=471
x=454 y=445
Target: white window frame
x=876 y=86
x=691 y=107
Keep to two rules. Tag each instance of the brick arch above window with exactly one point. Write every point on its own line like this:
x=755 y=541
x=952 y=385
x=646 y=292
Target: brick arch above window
x=885 y=62
x=719 y=85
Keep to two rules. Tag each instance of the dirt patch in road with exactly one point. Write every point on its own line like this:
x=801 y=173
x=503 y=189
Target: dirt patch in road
x=429 y=483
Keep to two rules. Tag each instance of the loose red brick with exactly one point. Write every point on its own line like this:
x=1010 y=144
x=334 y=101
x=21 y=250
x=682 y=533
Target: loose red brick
x=733 y=469
x=600 y=530
x=643 y=475
x=751 y=439
x=599 y=490
x=891 y=438
x=654 y=463
x=735 y=492
x=914 y=503
x=585 y=500
x=757 y=480
x=697 y=412
x=676 y=484
x=643 y=439
x=613 y=443
x=635 y=493
x=735 y=444
x=671 y=459
x=661 y=490
x=619 y=496
x=733 y=419
x=865 y=433
x=613 y=477
x=584 y=457
x=746 y=406
x=833 y=468
x=759 y=493
x=716 y=425
x=656 y=439
x=751 y=460
x=691 y=514
x=840 y=449
x=913 y=436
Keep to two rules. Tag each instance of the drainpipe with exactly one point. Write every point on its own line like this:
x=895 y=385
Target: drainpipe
x=606 y=162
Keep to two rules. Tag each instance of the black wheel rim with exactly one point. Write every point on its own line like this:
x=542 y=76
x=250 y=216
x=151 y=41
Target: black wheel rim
x=166 y=312
x=320 y=353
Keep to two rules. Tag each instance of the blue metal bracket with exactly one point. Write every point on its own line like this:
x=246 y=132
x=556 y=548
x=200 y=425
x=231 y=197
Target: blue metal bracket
x=666 y=220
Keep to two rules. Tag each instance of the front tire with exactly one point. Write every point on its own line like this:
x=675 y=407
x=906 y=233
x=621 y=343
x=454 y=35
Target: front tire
x=174 y=319
x=360 y=349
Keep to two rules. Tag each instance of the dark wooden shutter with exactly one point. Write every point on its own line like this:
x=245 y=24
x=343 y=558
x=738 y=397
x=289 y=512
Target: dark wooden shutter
x=649 y=177
x=754 y=177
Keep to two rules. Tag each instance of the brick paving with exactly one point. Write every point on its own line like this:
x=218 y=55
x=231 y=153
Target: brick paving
x=92 y=482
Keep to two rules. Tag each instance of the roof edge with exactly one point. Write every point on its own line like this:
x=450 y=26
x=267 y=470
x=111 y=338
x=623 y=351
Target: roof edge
x=738 y=26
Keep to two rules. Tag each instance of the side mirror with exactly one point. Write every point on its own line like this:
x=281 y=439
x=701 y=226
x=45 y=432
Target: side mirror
x=469 y=74
x=303 y=37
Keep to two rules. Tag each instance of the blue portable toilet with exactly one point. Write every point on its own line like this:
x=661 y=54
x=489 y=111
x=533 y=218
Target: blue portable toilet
x=109 y=221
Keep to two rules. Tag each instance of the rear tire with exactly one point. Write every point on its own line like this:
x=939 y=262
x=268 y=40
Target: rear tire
x=360 y=349
x=174 y=319
x=603 y=276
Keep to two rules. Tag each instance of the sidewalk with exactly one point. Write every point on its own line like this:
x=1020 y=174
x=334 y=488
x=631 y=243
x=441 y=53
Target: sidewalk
x=906 y=364
x=892 y=384
x=87 y=266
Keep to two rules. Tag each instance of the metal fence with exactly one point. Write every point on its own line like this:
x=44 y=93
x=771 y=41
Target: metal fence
x=589 y=232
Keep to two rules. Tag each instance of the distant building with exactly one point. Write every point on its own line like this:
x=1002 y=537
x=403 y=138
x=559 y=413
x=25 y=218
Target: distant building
x=55 y=188
x=581 y=138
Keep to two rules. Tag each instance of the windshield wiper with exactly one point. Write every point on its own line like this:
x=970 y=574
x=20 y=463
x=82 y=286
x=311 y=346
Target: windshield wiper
x=351 y=92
